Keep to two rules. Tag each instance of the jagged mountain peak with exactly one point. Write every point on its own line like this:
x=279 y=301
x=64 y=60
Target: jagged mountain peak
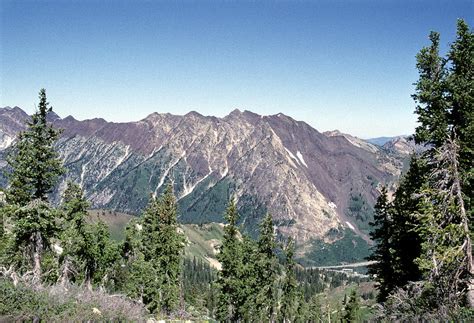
x=52 y=116
x=273 y=164
x=356 y=141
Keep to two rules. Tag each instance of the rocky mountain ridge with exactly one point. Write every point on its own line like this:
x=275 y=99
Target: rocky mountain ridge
x=312 y=183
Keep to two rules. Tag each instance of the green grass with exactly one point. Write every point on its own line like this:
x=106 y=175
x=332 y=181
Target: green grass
x=116 y=222
x=203 y=239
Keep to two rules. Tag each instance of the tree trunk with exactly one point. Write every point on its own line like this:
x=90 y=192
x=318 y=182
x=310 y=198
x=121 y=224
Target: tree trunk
x=65 y=272
x=88 y=279
x=37 y=253
x=470 y=293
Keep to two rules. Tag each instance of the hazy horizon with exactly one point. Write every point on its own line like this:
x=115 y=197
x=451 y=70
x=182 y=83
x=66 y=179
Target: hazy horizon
x=346 y=65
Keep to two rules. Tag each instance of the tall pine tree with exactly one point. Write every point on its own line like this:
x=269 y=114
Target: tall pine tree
x=169 y=251
x=35 y=169
x=266 y=266
x=289 y=290
x=77 y=258
x=229 y=301
x=382 y=254
x=35 y=164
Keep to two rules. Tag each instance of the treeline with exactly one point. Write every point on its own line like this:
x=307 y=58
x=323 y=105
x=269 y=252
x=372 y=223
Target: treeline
x=44 y=245
x=424 y=263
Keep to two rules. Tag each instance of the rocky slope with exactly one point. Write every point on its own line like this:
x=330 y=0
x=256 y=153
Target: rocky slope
x=319 y=188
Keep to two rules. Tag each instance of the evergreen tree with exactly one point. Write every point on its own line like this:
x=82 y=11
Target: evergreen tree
x=107 y=255
x=35 y=225
x=430 y=95
x=382 y=253
x=76 y=237
x=229 y=301
x=266 y=270
x=446 y=259
x=141 y=276
x=432 y=209
x=450 y=160
x=460 y=86
x=248 y=308
x=169 y=250
x=315 y=313
x=35 y=168
x=154 y=247
x=35 y=164
x=289 y=300
x=352 y=308
x=406 y=242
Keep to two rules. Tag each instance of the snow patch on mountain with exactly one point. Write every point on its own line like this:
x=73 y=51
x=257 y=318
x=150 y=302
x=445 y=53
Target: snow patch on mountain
x=5 y=142
x=162 y=179
x=300 y=157
x=291 y=155
x=350 y=226
x=189 y=189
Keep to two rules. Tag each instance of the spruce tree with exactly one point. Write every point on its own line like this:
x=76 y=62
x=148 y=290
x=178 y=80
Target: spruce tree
x=456 y=147
x=382 y=253
x=446 y=258
x=430 y=95
x=460 y=84
x=266 y=270
x=352 y=308
x=230 y=285
x=406 y=242
x=77 y=258
x=35 y=168
x=169 y=251
x=35 y=164
x=153 y=249
x=247 y=305
x=432 y=208
x=107 y=255
x=142 y=277
x=289 y=300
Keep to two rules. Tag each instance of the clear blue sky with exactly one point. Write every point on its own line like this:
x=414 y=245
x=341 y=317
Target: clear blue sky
x=346 y=65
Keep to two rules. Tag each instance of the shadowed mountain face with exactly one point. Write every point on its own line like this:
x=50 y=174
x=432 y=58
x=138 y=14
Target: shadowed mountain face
x=318 y=187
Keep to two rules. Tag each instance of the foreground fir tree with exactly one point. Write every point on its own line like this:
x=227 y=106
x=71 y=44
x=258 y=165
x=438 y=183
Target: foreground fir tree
x=34 y=162
x=460 y=84
x=448 y=193
x=446 y=259
x=35 y=169
x=406 y=242
x=439 y=203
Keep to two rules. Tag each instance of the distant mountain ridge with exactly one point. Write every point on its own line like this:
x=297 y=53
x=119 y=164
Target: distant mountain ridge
x=380 y=141
x=320 y=188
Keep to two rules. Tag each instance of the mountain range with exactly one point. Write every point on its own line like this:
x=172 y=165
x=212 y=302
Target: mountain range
x=319 y=187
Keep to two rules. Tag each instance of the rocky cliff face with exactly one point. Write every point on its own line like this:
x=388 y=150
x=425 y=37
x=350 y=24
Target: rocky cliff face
x=307 y=180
